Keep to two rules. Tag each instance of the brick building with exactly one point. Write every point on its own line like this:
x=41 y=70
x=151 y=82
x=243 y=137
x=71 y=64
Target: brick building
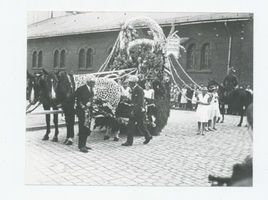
x=82 y=42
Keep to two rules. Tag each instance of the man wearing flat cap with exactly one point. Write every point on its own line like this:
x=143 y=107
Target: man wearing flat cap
x=84 y=98
x=137 y=118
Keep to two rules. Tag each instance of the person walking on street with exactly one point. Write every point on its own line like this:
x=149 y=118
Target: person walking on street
x=202 y=112
x=138 y=115
x=84 y=99
x=183 y=100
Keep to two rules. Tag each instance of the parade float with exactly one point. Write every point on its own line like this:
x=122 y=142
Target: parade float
x=142 y=49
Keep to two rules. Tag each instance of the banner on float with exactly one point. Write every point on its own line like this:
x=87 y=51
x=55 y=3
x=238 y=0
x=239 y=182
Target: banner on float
x=173 y=46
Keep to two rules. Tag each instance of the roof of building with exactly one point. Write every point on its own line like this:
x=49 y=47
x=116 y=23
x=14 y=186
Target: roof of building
x=91 y=22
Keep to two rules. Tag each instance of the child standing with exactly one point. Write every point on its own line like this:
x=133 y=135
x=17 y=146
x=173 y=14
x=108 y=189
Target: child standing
x=203 y=100
x=215 y=110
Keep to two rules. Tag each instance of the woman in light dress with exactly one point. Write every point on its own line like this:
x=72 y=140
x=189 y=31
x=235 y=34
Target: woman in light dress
x=214 y=108
x=183 y=98
x=202 y=111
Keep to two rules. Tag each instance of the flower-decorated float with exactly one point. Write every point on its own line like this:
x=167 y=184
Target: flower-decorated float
x=142 y=49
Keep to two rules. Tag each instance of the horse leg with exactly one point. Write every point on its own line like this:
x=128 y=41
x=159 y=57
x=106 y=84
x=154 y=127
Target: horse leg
x=107 y=133
x=222 y=120
x=55 y=120
x=241 y=117
x=46 y=136
x=115 y=130
x=116 y=135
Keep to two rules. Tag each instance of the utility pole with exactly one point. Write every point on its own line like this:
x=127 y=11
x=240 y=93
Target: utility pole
x=229 y=46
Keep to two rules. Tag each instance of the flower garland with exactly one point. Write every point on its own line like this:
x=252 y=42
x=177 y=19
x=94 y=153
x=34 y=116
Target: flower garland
x=108 y=90
x=105 y=89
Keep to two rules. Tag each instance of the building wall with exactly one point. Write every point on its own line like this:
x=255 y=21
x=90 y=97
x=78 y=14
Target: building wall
x=215 y=34
x=99 y=42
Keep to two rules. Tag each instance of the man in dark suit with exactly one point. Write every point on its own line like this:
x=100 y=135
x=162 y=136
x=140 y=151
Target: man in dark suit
x=84 y=99
x=137 y=118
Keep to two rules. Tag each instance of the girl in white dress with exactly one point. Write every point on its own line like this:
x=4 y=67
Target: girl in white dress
x=215 y=110
x=202 y=111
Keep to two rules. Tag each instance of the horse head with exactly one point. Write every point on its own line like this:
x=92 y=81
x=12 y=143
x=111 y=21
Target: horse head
x=48 y=85
x=66 y=85
x=32 y=88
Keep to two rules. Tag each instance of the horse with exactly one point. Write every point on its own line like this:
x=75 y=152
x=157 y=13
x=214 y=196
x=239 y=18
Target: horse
x=32 y=89
x=237 y=99
x=113 y=122
x=57 y=90
x=240 y=99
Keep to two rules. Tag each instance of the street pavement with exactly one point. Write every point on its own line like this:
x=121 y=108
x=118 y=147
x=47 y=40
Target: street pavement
x=178 y=157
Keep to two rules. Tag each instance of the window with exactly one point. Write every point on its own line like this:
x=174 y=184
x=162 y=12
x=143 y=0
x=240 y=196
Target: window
x=85 y=60
x=81 y=60
x=40 y=59
x=191 y=56
x=205 y=57
x=89 y=58
x=56 y=59
x=62 y=59
x=34 y=59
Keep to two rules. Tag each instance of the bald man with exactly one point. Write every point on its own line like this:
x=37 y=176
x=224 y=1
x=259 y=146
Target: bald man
x=84 y=98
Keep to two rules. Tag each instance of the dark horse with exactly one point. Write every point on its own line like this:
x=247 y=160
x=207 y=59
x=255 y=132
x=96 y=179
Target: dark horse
x=57 y=90
x=32 y=89
x=237 y=99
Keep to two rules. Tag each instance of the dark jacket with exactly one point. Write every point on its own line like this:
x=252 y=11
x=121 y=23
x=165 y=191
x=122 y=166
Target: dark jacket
x=137 y=99
x=83 y=96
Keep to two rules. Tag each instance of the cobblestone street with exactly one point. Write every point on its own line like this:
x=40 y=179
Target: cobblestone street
x=178 y=157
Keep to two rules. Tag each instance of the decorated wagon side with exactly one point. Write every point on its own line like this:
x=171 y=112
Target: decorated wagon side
x=141 y=49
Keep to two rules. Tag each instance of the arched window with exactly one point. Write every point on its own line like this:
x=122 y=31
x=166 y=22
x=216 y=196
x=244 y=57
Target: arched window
x=34 y=59
x=81 y=60
x=89 y=58
x=56 y=59
x=191 y=56
x=40 y=59
x=62 y=59
x=205 y=56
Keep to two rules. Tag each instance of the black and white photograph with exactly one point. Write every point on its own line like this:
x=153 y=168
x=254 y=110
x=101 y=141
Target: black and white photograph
x=139 y=98
x=136 y=100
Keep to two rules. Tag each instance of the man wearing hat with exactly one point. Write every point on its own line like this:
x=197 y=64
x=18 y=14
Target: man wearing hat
x=137 y=118
x=84 y=98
